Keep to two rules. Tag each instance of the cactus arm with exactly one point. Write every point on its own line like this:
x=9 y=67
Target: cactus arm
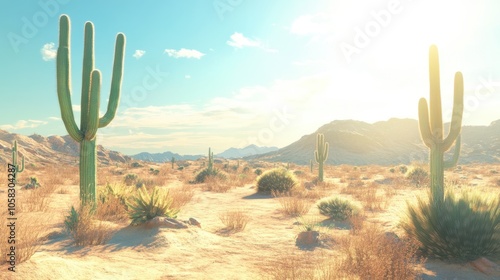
x=424 y=125
x=456 y=153
x=93 y=111
x=116 y=81
x=436 y=116
x=325 y=153
x=63 y=70
x=458 y=108
x=88 y=67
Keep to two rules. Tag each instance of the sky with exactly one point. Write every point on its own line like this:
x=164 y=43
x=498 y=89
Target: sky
x=230 y=73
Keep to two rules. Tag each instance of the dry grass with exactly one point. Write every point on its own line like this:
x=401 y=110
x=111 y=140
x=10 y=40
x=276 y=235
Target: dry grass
x=181 y=196
x=87 y=230
x=293 y=206
x=234 y=221
x=34 y=200
x=216 y=184
x=371 y=254
x=29 y=231
x=112 y=210
x=290 y=267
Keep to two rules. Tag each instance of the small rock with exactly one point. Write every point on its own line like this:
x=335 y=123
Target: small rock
x=194 y=222
x=307 y=238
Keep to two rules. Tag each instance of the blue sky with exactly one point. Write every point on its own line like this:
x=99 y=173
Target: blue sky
x=229 y=73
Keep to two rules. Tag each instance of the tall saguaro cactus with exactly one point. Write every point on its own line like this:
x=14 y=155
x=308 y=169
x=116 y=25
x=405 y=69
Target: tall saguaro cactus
x=14 y=159
x=431 y=125
x=91 y=87
x=321 y=154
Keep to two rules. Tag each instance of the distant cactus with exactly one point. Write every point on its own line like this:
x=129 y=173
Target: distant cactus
x=321 y=154
x=14 y=159
x=90 y=102
x=311 y=164
x=431 y=125
x=173 y=161
x=210 y=160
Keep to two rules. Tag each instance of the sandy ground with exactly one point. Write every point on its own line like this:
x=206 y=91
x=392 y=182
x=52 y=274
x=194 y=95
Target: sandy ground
x=198 y=253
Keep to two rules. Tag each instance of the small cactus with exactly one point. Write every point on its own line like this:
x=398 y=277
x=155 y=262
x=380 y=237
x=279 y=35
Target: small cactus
x=173 y=161
x=321 y=154
x=14 y=159
x=210 y=160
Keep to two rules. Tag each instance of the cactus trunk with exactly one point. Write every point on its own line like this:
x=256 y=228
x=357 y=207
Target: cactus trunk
x=88 y=171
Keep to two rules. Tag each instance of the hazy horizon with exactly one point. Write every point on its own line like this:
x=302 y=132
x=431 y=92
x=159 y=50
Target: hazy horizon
x=221 y=75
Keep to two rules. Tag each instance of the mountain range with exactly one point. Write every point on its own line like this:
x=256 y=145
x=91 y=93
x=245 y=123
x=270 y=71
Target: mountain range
x=396 y=141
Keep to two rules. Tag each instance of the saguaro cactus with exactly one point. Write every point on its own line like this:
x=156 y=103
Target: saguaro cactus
x=431 y=125
x=91 y=87
x=14 y=159
x=311 y=165
x=210 y=160
x=173 y=161
x=321 y=154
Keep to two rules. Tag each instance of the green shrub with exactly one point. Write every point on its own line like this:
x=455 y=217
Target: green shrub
x=392 y=170
x=145 y=206
x=130 y=179
x=278 y=180
x=180 y=168
x=258 y=171
x=337 y=209
x=136 y=165
x=202 y=176
x=71 y=221
x=459 y=228
x=246 y=169
x=418 y=176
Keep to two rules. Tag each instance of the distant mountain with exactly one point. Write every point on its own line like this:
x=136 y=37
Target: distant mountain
x=247 y=151
x=60 y=150
x=396 y=141
x=163 y=157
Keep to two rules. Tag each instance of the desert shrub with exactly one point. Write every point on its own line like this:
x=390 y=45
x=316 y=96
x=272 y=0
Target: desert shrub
x=372 y=254
x=258 y=171
x=392 y=170
x=112 y=203
x=135 y=165
x=33 y=184
x=130 y=179
x=84 y=229
x=144 y=206
x=246 y=169
x=403 y=169
x=180 y=168
x=154 y=171
x=293 y=206
x=418 y=176
x=337 y=208
x=234 y=220
x=298 y=173
x=458 y=228
x=278 y=180
x=206 y=173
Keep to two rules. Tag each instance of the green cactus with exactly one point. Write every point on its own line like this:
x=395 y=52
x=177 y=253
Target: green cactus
x=321 y=154
x=91 y=86
x=210 y=160
x=431 y=125
x=311 y=164
x=173 y=161
x=14 y=159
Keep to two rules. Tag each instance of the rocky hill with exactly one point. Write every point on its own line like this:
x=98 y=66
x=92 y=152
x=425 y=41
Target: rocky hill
x=396 y=141
x=62 y=150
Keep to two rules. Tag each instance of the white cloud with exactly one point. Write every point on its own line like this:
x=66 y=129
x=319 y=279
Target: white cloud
x=23 y=124
x=187 y=53
x=239 y=41
x=138 y=53
x=48 y=52
x=311 y=25
x=54 y=118
x=187 y=76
